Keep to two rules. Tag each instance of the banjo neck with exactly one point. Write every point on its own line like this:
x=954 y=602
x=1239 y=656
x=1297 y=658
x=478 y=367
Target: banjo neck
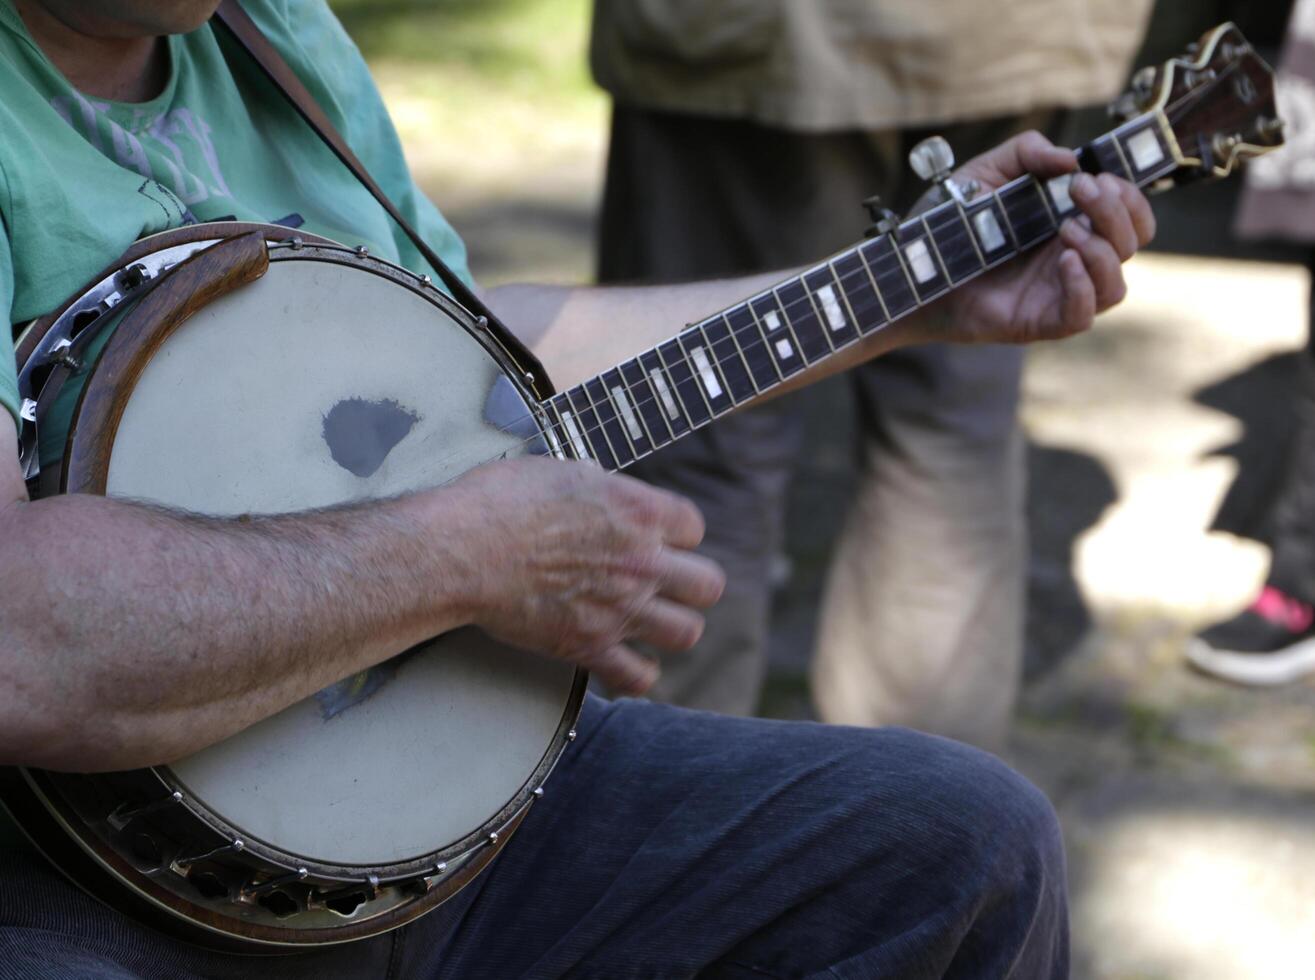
x=1197 y=117
x=741 y=354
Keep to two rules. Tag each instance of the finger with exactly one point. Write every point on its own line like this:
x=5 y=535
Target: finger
x=682 y=522
x=1078 y=307
x=1035 y=154
x=676 y=518
x=666 y=625
x=1100 y=261
x=1139 y=209
x=622 y=670
x=690 y=579
x=1101 y=199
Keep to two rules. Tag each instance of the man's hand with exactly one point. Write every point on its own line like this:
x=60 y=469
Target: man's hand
x=574 y=563
x=1058 y=289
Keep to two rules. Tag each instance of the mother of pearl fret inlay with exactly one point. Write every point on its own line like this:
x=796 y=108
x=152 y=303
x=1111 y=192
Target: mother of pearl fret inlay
x=835 y=316
x=573 y=432
x=1058 y=187
x=988 y=230
x=709 y=377
x=772 y=320
x=920 y=261
x=627 y=412
x=664 y=394
x=1145 y=149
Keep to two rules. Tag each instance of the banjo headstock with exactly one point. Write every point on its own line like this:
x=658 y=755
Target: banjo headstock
x=1217 y=101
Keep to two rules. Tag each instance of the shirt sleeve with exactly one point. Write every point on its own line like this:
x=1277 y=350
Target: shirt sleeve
x=332 y=67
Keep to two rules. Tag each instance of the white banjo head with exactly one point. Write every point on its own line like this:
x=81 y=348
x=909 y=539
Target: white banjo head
x=319 y=384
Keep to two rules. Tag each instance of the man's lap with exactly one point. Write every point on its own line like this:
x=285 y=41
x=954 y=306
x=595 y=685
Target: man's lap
x=671 y=840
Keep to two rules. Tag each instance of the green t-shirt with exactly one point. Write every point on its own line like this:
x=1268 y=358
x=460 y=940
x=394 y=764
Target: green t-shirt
x=81 y=178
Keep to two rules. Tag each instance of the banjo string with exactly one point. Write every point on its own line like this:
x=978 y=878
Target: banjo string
x=638 y=400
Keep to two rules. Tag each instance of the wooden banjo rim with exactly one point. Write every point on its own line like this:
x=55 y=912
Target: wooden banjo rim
x=32 y=795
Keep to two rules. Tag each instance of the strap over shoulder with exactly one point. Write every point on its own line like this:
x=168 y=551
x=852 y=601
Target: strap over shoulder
x=231 y=15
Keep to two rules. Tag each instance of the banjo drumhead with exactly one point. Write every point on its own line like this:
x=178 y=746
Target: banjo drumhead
x=320 y=384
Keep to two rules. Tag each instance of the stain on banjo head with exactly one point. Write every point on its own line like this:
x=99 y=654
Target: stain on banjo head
x=332 y=377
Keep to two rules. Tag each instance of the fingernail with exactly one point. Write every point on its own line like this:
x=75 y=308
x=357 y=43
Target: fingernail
x=1083 y=187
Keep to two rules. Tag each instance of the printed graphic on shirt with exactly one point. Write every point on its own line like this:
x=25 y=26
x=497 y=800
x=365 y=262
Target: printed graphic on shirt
x=171 y=148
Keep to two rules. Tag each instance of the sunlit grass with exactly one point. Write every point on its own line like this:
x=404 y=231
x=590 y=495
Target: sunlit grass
x=488 y=95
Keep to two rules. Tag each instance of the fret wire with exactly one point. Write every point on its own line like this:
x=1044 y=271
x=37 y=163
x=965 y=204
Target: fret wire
x=771 y=350
x=695 y=377
x=673 y=388
x=892 y=267
x=719 y=361
x=582 y=428
x=634 y=403
x=844 y=296
x=614 y=408
x=1030 y=217
x=690 y=418
x=899 y=257
x=789 y=325
x=590 y=433
x=655 y=401
x=605 y=399
x=717 y=366
x=936 y=250
x=671 y=393
x=1044 y=191
x=1008 y=222
x=972 y=236
x=730 y=329
x=1108 y=158
x=563 y=437
x=602 y=424
x=955 y=227
x=559 y=429
x=1123 y=160
x=822 y=324
x=875 y=288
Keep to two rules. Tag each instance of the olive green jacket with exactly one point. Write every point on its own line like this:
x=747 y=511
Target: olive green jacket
x=818 y=65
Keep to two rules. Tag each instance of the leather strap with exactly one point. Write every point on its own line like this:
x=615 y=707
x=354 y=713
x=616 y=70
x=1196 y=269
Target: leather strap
x=280 y=73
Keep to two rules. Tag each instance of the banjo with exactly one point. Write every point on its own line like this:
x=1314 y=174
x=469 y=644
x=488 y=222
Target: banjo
x=369 y=804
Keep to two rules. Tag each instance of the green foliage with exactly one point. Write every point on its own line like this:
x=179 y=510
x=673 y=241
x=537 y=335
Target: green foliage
x=536 y=44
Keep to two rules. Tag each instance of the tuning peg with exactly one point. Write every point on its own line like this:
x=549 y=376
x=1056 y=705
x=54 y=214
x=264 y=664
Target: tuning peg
x=1140 y=94
x=932 y=160
x=884 y=220
x=1269 y=129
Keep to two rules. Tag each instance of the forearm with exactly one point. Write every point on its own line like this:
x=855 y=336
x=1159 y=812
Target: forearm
x=135 y=635
x=581 y=331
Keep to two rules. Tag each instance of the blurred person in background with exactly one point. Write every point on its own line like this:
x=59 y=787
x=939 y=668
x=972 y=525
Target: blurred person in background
x=745 y=134
x=1272 y=641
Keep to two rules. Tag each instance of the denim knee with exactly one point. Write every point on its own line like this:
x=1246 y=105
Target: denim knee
x=970 y=811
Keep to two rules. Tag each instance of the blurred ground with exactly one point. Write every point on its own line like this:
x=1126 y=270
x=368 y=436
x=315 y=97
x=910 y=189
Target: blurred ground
x=1188 y=805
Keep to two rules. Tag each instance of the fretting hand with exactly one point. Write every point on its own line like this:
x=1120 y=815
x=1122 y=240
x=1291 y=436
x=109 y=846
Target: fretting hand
x=1058 y=289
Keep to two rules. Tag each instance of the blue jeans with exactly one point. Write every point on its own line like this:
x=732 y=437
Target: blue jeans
x=674 y=843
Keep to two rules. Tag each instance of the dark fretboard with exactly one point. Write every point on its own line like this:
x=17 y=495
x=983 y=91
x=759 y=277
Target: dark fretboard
x=741 y=353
